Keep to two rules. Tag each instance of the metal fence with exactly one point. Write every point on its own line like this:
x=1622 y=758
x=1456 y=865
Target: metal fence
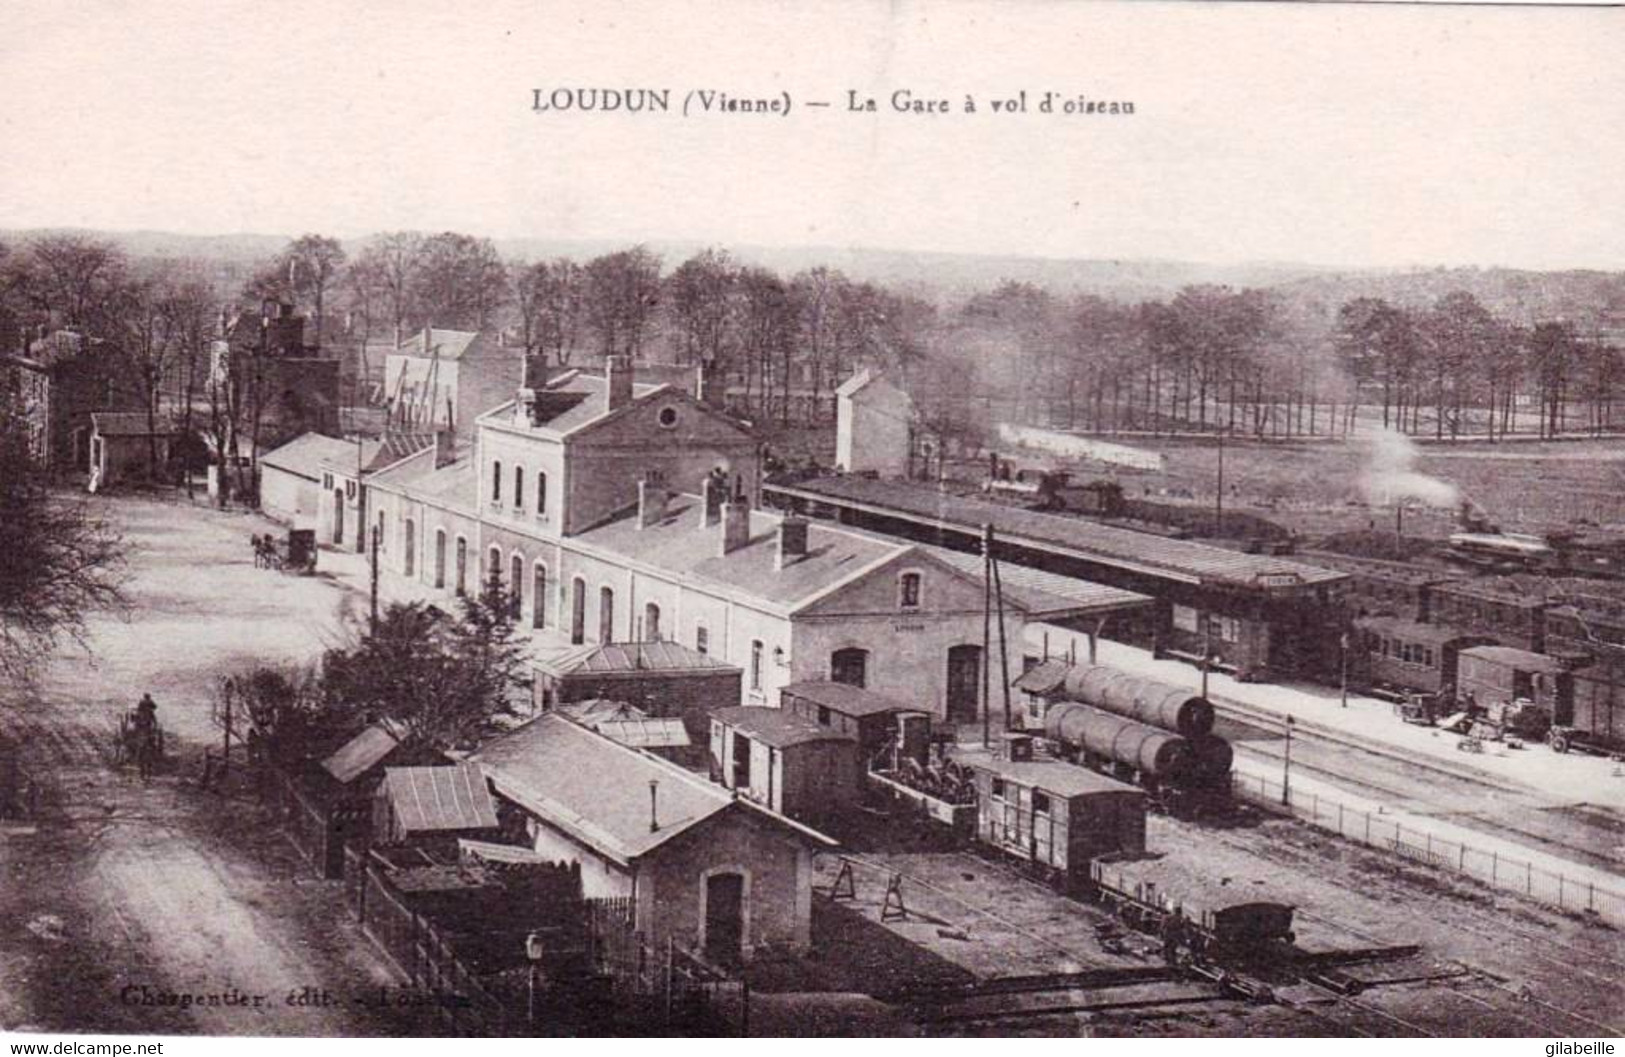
x=1418 y=845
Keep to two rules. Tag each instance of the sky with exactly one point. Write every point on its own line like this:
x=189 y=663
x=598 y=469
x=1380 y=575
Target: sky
x=1338 y=134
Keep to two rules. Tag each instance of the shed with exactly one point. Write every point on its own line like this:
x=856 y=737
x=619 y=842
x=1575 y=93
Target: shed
x=433 y=802
x=125 y=444
x=708 y=871
x=1056 y=815
x=878 y=722
x=662 y=679
x=785 y=762
x=1497 y=675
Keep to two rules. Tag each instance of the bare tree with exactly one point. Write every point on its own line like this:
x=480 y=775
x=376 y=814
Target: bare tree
x=621 y=293
x=458 y=281
x=548 y=296
x=314 y=262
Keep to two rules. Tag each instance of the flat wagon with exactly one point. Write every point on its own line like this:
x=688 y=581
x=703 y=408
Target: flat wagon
x=1205 y=920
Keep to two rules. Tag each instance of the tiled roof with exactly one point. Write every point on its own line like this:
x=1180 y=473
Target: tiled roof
x=131 y=424
x=845 y=699
x=1088 y=540
x=623 y=657
x=448 y=344
x=434 y=799
x=679 y=544
x=360 y=754
x=597 y=790
x=307 y=455
x=775 y=726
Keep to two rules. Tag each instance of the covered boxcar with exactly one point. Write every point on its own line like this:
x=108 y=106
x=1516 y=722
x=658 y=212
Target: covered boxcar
x=1055 y=817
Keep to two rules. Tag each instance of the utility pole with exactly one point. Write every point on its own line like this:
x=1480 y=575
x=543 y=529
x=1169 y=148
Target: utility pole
x=376 y=533
x=1218 y=496
x=1004 y=647
x=1286 y=765
x=987 y=633
x=1343 y=667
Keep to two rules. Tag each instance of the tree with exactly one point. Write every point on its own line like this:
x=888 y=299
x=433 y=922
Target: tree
x=386 y=273
x=445 y=680
x=72 y=278
x=548 y=296
x=313 y=264
x=621 y=291
x=59 y=562
x=700 y=293
x=457 y=281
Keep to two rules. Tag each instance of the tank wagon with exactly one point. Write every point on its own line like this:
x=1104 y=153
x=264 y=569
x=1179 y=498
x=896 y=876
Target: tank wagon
x=1195 y=917
x=1098 y=738
x=1143 y=700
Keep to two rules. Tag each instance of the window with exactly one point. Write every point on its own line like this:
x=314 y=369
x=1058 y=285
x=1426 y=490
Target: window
x=778 y=656
x=462 y=566
x=496 y=481
x=440 y=558
x=350 y=490
x=541 y=494
x=908 y=591
x=668 y=417
x=538 y=597
x=409 y=544
x=1040 y=803
x=519 y=489
x=606 y=614
x=1185 y=619
x=849 y=666
x=651 y=623
x=755 y=664
x=998 y=789
x=493 y=566
x=823 y=715
x=516 y=586
x=578 y=611
x=702 y=639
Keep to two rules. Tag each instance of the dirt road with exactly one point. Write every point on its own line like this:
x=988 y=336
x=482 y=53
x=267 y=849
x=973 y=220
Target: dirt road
x=155 y=906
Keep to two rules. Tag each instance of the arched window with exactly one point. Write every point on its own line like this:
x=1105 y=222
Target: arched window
x=651 y=623
x=578 y=611
x=519 y=489
x=538 y=596
x=541 y=493
x=755 y=664
x=462 y=566
x=496 y=481
x=606 y=615
x=440 y=558
x=516 y=586
x=493 y=566
x=409 y=544
x=908 y=591
x=702 y=638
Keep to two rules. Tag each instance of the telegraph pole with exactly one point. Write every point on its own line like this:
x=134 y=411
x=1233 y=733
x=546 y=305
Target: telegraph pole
x=374 y=587
x=1286 y=765
x=1004 y=647
x=987 y=634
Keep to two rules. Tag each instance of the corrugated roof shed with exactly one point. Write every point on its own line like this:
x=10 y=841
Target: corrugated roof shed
x=360 y=754
x=845 y=699
x=646 y=733
x=436 y=799
x=775 y=726
x=1176 y=559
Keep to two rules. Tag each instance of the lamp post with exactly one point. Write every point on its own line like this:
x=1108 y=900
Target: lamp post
x=1207 y=651
x=1286 y=765
x=534 y=949
x=1343 y=667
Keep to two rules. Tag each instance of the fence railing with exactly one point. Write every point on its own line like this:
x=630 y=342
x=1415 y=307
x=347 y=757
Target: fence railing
x=1418 y=845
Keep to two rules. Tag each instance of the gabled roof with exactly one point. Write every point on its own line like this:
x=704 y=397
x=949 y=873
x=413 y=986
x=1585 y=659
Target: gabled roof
x=570 y=402
x=436 y=799
x=131 y=424
x=678 y=544
x=626 y=658
x=845 y=699
x=307 y=455
x=863 y=380
x=597 y=791
x=361 y=753
x=775 y=726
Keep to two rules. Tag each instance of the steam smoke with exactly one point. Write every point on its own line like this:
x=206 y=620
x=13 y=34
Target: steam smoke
x=1390 y=474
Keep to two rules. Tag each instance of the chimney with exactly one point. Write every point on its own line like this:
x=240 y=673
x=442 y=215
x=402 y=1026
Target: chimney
x=704 y=387
x=618 y=381
x=527 y=406
x=713 y=493
x=654 y=805
x=735 y=524
x=793 y=531
x=651 y=498
x=428 y=348
x=444 y=453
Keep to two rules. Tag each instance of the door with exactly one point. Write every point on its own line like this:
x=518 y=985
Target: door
x=849 y=666
x=725 y=918
x=578 y=613
x=338 y=515
x=964 y=683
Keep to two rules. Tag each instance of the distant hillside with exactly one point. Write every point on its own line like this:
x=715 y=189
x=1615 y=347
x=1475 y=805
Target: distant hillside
x=1589 y=297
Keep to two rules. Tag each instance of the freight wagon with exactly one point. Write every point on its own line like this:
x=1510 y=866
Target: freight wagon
x=1397 y=658
x=1205 y=920
x=1183 y=774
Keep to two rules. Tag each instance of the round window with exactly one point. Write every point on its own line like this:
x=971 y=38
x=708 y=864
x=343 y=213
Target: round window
x=668 y=417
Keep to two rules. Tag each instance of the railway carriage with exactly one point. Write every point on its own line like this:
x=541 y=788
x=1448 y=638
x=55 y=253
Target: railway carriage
x=1400 y=657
